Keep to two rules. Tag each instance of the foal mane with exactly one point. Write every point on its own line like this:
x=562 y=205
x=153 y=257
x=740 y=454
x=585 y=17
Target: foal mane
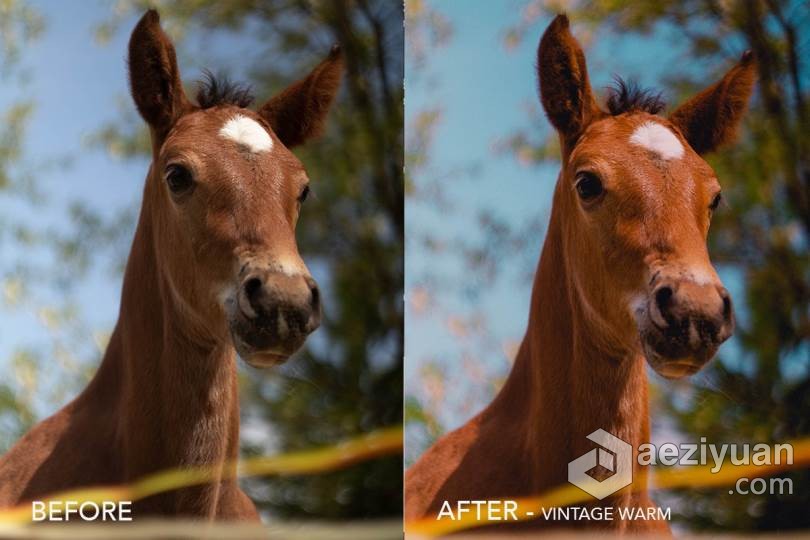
x=213 y=90
x=626 y=97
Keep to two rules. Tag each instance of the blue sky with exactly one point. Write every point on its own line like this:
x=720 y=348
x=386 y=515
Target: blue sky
x=485 y=93
x=77 y=86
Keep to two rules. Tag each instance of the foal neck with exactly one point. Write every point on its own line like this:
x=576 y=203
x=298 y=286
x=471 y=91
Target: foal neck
x=563 y=386
x=177 y=394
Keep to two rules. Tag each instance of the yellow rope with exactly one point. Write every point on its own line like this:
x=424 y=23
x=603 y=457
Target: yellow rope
x=387 y=442
x=667 y=478
x=369 y=446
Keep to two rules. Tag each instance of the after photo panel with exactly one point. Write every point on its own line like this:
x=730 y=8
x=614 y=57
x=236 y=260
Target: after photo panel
x=607 y=262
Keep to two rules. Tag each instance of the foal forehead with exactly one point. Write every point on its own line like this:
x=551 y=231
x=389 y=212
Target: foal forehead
x=234 y=138
x=641 y=152
x=226 y=127
x=634 y=132
x=640 y=140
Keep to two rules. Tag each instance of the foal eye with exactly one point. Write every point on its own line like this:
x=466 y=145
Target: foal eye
x=178 y=178
x=304 y=194
x=588 y=186
x=716 y=202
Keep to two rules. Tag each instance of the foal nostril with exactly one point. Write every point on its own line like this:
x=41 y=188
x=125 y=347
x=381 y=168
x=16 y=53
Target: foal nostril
x=314 y=319
x=253 y=292
x=727 y=309
x=663 y=299
x=314 y=293
x=316 y=297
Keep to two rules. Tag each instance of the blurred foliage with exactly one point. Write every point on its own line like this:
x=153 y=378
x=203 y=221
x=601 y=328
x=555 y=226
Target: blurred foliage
x=348 y=381
x=19 y=25
x=40 y=266
x=761 y=391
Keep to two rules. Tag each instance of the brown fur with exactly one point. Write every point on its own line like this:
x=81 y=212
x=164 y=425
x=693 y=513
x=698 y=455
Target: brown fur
x=563 y=75
x=711 y=118
x=581 y=365
x=166 y=392
x=307 y=99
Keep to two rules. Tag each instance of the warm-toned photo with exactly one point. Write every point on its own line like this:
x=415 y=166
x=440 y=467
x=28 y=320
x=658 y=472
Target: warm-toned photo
x=605 y=259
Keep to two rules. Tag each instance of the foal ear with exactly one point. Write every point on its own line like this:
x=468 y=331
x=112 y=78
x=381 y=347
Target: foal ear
x=153 y=75
x=298 y=113
x=711 y=118
x=564 y=87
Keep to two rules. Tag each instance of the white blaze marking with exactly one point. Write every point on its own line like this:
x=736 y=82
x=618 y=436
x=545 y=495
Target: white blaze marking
x=657 y=138
x=247 y=132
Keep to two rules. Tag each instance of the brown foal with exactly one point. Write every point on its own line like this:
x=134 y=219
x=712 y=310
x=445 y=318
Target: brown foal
x=624 y=276
x=214 y=269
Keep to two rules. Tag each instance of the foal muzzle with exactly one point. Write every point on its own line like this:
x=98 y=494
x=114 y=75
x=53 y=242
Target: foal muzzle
x=272 y=313
x=683 y=324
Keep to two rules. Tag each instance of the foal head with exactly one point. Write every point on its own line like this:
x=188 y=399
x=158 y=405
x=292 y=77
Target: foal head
x=223 y=197
x=635 y=200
